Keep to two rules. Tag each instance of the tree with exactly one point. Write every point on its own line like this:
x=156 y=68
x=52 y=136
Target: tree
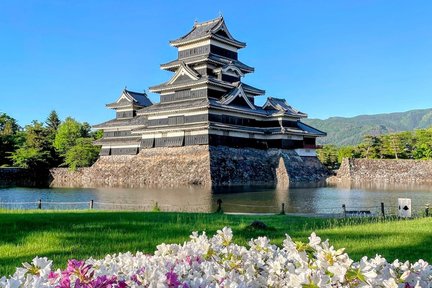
x=30 y=157
x=82 y=154
x=328 y=156
x=85 y=130
x=67 y=134
x=392 y=145
x=8 y=125
x=53 y=121
x=97 y=134
x=346 y=152
x=370 y=147
x=35 y=152
x=10 y=137
x=423 y=144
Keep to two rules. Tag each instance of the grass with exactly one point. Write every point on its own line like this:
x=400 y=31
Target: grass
x=70 y=234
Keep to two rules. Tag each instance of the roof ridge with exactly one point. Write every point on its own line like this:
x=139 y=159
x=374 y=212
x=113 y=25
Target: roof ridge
x=198 y=24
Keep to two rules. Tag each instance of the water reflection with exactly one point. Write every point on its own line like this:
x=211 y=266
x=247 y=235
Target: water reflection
x=251 y=199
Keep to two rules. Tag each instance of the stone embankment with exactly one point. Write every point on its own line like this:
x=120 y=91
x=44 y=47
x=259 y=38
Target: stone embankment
x=23 y=177
x=197 y=165
x=359 y=171
x=151 y=167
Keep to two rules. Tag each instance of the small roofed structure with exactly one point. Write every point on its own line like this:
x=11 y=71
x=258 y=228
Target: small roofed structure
x=206 y=102
x=128 y=103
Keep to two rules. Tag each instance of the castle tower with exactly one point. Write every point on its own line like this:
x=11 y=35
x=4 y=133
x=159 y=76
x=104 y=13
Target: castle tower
x=206 y=102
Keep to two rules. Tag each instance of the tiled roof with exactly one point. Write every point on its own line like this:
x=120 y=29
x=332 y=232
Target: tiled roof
x=140 y=98
x=208 y=57
x=283 y=106
x=135 y=121
x=250 y=89
x=118 y=140
x=134 y=98
x=206 y=30
x=299 y=129
x=310 y=129
x=169 y=106
x=205 y=79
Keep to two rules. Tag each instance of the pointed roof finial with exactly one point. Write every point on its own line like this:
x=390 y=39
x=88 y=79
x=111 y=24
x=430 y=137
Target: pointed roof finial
x=125 y=87
x=196 y=21
x=220 y=14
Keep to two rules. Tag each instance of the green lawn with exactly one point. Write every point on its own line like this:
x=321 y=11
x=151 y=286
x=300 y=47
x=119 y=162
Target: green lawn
x=64 y=235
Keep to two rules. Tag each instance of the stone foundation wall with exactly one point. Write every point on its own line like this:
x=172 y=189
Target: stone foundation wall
x=384 y=171
x=22 y=177
x=195 y=165
x=164 y=166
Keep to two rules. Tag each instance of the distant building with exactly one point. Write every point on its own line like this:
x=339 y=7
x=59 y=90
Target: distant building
x=205 y=103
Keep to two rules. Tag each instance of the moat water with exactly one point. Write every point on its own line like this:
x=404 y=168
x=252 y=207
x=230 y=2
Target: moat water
x=245 y=199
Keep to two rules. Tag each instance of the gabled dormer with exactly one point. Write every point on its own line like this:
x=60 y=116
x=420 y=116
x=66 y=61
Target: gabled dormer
x=183 y=74
x=128 y=103
x=237 y=97
x=229 y=73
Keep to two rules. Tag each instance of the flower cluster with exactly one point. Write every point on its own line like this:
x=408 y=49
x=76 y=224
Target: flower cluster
x=218 y=262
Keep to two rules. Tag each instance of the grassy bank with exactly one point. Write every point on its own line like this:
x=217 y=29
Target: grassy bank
x=64 y=235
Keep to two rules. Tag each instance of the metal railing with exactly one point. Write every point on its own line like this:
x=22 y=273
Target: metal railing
x=381 y=210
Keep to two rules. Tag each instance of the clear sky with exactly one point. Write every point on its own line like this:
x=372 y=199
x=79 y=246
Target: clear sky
x=327 y=58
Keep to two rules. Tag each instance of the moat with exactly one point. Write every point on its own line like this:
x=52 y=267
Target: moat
x=244 y=199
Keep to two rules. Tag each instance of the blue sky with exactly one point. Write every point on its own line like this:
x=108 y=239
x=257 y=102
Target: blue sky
x=327 y=58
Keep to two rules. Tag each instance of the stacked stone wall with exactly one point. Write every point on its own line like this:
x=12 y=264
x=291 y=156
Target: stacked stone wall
x=384 y=171
x=22 y=177
x=195 y=165
x=164 y=166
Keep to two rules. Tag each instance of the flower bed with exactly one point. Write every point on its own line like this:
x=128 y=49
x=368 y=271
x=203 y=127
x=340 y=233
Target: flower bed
x=217 y=262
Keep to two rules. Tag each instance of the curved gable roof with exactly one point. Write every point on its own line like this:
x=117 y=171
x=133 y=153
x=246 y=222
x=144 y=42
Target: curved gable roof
x=215 y=28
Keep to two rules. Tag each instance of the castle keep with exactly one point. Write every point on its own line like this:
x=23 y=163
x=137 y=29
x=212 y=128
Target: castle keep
x=206 y=102
x=206 y=130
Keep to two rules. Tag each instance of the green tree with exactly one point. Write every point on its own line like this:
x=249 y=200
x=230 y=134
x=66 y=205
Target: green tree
x=423 y=144
x=97 y=134
x=392 y=145
x=82 y=154
x=30 y=157
x=85 y=130
x=328 y=155
x=370 y=147
x=53 y=121
x=36 y=149
x=347 y=152
x=10 y=138
x=67 y=134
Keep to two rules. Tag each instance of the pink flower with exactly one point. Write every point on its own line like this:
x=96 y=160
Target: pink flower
x=172 y=279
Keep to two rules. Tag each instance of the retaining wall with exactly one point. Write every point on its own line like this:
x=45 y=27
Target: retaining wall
x=384 y=171
x=23 y=177
x=195 y=165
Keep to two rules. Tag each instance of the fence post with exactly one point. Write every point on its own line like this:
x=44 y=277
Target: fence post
x=283 y=209
x=40 y=204
x=219 y=209
x=91 y=204
x=427 y=210
x=344 y=210
x=382 y=210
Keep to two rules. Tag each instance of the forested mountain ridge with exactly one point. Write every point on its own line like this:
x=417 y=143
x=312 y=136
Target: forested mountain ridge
x=343 y=131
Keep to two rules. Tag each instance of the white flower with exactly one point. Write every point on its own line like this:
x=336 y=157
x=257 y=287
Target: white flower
x=217 y=262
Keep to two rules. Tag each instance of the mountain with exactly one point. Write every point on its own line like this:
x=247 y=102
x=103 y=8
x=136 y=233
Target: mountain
x=350 y=131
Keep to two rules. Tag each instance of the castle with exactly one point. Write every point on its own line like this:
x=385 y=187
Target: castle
x=205 y=102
